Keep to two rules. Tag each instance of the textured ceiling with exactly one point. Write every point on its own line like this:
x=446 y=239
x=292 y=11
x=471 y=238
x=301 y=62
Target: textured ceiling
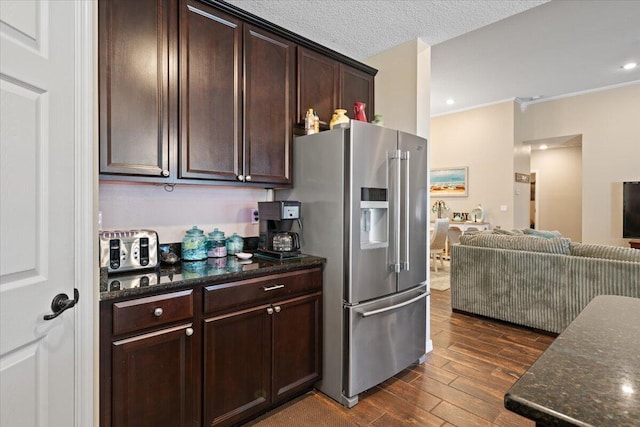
x=362 y=28
x=483 y=51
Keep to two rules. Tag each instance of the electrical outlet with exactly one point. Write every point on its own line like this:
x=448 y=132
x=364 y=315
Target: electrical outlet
x=255 y=216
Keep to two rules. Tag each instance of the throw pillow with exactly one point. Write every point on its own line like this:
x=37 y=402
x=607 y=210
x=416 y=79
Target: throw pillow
x=542 y=233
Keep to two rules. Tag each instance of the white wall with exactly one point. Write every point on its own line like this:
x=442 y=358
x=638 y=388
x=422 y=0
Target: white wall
x=559 y=190
x=483 y=140
x=131 y=206
x=521 y=164
x=489 y=141
x=609 y=122
x=402 y=91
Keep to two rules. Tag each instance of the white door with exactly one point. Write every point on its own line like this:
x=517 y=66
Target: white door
x=37 y=209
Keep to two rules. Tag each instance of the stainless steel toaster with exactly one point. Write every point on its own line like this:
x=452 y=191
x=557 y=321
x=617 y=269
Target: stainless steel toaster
x=128 y=250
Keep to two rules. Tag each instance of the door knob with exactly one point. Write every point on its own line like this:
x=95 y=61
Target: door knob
x=61 y=302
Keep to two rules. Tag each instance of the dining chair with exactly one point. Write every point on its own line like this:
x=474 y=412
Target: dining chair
x=438 y=244
x=453 y=235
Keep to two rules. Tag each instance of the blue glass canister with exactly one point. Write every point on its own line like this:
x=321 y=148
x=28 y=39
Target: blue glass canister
x=194 y=245
x=235 y=244
x=217 y=244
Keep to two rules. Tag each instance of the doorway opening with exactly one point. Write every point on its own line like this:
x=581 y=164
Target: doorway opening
x=556 y=185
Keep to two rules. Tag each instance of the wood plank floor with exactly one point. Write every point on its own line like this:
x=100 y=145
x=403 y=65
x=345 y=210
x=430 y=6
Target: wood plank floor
x=462 y=383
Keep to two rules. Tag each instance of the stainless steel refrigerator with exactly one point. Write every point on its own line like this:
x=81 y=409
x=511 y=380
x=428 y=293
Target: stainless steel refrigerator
x=363 y=193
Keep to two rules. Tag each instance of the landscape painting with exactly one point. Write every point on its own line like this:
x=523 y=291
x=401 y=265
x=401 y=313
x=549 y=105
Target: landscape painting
x=449 y=182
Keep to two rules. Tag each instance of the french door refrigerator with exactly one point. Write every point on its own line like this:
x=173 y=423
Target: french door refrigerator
x=363 y=194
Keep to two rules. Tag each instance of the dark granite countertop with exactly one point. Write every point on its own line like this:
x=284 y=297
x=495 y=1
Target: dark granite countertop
x=191 y=273
x=590 y=375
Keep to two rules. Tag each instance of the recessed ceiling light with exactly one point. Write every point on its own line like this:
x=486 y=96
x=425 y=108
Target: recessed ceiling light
x=450 y=101
x=629 y=66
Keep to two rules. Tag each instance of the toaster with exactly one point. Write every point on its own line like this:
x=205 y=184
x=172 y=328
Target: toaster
x=122 y=251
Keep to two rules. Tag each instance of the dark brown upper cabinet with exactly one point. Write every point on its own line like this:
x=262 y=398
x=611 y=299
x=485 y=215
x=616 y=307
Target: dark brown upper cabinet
x=326 y=84
x=356 y=86
x=237 y=96
x=318 y=84
x=134 y=45
x=201 y=92
x=210 y=93
x=269 y=106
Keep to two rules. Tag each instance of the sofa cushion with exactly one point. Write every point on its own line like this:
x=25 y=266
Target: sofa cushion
x=604 y=252
x=555 y=245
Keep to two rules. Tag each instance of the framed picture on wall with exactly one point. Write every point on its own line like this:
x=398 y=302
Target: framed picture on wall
x=449 y=182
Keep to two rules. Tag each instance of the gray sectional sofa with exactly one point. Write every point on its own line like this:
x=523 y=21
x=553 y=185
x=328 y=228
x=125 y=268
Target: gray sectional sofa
x=539 y=282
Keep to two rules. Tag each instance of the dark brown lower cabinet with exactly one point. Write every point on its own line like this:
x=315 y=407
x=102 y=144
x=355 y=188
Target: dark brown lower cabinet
x=236 y=365
x=296 y=345
x=257 y=357
x=211 y=355
x=152 y=379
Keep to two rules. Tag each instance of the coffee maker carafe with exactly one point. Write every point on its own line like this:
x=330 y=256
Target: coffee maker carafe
x=276 y=220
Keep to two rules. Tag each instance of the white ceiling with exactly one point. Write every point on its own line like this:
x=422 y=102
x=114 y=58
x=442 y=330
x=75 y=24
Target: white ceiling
x=483 y=51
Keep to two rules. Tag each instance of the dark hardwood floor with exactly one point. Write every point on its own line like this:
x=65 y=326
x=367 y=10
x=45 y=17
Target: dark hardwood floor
x=462 y=382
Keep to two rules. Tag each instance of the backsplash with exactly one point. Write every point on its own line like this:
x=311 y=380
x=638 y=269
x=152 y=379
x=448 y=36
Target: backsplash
x=127 y=206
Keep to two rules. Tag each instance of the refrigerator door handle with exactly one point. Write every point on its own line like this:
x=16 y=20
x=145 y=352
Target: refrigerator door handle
x=396 y=185
x=404 y=264
x=395 y=306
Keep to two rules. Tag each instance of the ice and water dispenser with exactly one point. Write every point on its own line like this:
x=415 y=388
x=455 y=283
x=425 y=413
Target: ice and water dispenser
x=374 y=218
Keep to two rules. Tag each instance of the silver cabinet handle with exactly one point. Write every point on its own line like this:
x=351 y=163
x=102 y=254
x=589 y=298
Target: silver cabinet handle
x=269 y=310
x=158 y=312
x=189 y=331
x=165 y=173
x=247 y=178
x=240 y=177
x=393 y=307
x=272 y=288
x=277 y=308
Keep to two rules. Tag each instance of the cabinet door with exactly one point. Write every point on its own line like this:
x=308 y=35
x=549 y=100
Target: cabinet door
x=153 y=378
x=356 y=86
x=237 y=372
x=210 y=93
x=269 y=106
x=134 y=86
x=318 y=78
x=297 y=338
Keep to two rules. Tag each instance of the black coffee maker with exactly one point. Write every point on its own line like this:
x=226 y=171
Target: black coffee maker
x=276 y=239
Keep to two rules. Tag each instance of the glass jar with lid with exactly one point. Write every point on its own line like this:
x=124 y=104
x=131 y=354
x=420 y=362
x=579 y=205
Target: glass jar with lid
x=194 y=245
x=235 y=244
x=217 y=244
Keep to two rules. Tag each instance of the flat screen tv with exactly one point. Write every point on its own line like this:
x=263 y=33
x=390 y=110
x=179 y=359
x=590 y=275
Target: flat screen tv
x=631 y=210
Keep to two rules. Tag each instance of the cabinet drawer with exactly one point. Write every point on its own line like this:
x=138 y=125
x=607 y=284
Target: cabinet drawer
x=153 y=311
x=260 y=290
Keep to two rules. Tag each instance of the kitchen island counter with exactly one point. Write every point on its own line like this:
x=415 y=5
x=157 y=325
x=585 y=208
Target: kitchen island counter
x=188 y=274
x=589 y=375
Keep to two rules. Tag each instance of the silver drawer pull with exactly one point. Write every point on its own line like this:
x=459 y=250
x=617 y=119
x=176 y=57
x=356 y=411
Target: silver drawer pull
x=277 y=308
x=158 y=312
x=269 y=310
x=272 y=288
x=189 y=331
